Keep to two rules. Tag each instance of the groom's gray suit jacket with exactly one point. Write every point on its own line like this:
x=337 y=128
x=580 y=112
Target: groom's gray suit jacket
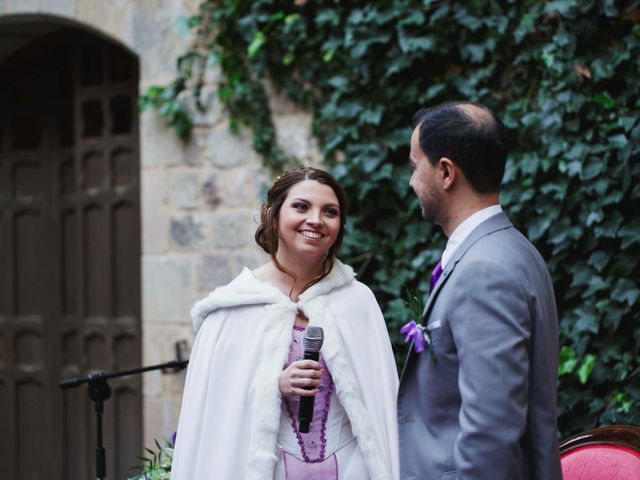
x=485 y=407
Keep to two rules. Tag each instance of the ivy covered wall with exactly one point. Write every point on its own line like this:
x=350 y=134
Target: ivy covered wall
x=564 y=76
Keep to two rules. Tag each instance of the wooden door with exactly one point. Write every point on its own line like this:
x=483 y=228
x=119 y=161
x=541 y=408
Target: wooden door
x=69 y=255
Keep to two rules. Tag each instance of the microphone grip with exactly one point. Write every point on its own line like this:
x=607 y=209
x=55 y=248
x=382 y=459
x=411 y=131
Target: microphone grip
x=305 y=408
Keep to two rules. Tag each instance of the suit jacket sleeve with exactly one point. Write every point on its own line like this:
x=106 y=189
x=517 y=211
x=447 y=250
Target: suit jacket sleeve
x=490 y=323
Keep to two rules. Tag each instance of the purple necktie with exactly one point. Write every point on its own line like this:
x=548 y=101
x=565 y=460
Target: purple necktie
x=435 y=275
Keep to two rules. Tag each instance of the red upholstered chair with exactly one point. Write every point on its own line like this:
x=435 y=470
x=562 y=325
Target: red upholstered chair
x=604 y=453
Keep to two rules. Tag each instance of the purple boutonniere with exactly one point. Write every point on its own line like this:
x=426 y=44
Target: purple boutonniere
x=416 y=333
x=421 y=337
x=413 y=331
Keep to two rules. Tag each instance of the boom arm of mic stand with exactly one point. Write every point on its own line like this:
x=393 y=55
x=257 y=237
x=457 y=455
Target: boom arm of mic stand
x=75 y=382
x=99 y=391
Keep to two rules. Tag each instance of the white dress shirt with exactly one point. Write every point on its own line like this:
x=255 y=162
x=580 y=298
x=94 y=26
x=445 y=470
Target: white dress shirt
x=463 y=230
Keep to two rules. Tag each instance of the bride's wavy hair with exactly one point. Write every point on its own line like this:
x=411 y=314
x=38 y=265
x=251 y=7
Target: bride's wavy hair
x=267 y=233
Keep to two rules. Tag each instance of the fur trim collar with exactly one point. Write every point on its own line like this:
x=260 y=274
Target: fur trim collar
x=246 y=289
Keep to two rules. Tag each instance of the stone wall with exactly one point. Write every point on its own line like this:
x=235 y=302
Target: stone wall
x=200 y=199
x=198 y=217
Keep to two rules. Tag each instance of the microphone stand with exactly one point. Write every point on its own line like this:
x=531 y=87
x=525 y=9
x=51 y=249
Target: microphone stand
x=99 y=391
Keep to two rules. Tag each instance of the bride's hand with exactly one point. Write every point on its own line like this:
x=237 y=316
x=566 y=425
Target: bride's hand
x=299 y=374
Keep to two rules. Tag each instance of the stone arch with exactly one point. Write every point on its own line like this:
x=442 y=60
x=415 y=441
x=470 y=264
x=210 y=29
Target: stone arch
x=25 y=26
x=146 y=28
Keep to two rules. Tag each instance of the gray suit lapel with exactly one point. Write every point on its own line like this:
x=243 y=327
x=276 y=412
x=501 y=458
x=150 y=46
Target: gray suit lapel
x=492 y=224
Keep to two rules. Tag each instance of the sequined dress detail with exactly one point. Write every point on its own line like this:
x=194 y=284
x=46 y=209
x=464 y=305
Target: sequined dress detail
x=312 y=444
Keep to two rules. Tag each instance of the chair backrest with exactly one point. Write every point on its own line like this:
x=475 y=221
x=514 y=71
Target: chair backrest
x=604 y=453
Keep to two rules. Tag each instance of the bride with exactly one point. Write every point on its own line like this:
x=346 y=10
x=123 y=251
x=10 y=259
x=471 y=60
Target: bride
x=245 y=376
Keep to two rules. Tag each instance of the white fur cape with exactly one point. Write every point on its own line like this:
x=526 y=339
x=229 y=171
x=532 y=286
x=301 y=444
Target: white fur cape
x=231 y=406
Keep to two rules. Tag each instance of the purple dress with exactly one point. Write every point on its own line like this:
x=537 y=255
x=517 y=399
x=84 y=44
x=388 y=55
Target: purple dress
x=313 y=444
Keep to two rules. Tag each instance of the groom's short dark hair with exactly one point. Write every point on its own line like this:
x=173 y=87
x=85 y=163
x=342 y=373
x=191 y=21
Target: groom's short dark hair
x=471 y=136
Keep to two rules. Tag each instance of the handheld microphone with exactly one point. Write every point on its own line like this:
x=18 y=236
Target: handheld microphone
x=312 y=342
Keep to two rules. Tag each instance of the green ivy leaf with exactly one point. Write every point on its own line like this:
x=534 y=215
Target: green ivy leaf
x=567 y=361
x=618 y=141
x=623 y=402
x=412 y=44
x=586 y=367
x=605 y=100
x=259 y=39
x=626 y=291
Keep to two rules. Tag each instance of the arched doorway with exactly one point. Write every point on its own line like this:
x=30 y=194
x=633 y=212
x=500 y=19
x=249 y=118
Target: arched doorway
x=69 y=253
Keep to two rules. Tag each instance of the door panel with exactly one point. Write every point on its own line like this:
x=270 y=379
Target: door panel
x=69 y=255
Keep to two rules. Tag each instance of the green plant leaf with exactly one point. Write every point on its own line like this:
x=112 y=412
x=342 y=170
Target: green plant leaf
x=568 y=361
x=586 y=367
x=259 y=39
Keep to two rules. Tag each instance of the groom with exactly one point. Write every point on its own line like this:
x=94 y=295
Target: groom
x=482 y=404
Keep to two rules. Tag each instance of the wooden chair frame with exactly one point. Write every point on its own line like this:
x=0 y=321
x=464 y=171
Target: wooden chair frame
x=621 y=435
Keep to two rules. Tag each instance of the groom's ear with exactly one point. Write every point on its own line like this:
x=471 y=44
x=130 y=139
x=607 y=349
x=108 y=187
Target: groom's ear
x=448 y=172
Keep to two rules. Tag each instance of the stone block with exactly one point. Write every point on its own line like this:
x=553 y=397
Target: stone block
x=163 y=391
x=278 y=103
x=156 y=38
x=241 y=186
x=152 y=420
x=194 y=149
x=212 y=75
x=160 y=419
x=61 y=8
x=191 y=5
x=210 y=191
x=189 y=232
x=155 y=225
x=251 y=258
x=159 y=145
x=152 y=355
x=226 y=149
x=21 y=6
x=158 y=345
x=112 y=17
x=293 y=133
x=171 y=414
x=213 y=271
x=183 y=190
x=232 y=229
x=167 y=288
x=209 y=112
x=155 y=220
